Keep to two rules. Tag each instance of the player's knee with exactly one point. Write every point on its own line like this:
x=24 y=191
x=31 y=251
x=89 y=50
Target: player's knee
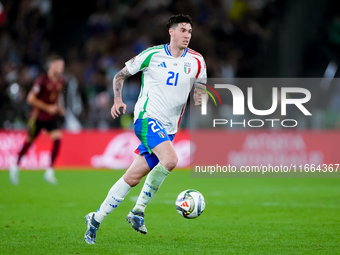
x=171 y=162
x=56 y=134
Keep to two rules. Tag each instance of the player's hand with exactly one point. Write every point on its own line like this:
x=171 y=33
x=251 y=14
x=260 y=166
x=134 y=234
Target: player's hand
x=52 y=109
x=61 y=111
x=198 y=96
x=116 y=107
x=198 y=92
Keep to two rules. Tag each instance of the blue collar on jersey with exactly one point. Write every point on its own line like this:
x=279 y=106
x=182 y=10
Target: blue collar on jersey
x=167 y=51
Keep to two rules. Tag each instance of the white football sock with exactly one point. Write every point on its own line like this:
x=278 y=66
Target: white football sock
x=115 y=196
x=49 y=169
x=152 y=183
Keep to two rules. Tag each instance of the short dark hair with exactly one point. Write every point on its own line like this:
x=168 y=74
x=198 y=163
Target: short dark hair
x=179 y=18
x=51 y=59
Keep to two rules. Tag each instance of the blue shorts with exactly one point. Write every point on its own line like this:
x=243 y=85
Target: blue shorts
x=151 y=133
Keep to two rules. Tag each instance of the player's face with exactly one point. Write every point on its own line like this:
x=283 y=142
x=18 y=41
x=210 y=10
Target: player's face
x=181 y=35
x=57 y=67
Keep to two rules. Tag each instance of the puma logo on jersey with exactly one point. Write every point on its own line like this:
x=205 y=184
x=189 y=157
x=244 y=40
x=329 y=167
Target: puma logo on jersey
x=162 y=65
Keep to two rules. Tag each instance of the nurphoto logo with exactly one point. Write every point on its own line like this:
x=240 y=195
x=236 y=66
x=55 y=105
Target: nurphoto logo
x=239 y=104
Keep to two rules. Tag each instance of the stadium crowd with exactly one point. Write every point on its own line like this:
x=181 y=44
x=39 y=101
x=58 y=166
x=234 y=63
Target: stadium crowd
x=230 y=34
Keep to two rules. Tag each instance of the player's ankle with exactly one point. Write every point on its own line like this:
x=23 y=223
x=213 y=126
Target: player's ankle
x=139 y=208
x=49 y=169
x=94 y=222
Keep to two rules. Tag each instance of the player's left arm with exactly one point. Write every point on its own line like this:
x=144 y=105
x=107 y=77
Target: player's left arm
x=118 y=81
x=199 y=83
x=61 y=104
x=198 y=92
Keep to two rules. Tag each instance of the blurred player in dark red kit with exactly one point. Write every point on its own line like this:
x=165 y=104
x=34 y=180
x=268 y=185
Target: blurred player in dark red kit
x=48 y=111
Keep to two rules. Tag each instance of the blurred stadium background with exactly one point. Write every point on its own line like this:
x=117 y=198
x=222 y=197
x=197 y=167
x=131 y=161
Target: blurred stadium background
x=238 y=38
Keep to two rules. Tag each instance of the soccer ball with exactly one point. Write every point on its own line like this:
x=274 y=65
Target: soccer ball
x=190 y=204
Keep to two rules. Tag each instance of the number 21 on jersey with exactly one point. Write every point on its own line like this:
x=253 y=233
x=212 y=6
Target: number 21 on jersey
x=172 y=76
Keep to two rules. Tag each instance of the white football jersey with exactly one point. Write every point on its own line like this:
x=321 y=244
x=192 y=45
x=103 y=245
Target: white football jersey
x=166 y=83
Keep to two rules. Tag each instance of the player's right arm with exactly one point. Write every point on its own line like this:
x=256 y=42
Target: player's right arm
x=133 y=66
x=32 y=99
x=118 y=81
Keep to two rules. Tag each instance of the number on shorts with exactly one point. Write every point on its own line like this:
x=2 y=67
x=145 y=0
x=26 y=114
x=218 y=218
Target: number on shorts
x=154 y=124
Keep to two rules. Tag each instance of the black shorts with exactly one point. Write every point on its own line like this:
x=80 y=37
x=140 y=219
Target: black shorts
x=35 y=126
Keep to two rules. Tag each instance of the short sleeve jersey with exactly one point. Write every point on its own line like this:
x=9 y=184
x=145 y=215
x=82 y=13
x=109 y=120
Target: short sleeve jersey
x=166 y=83
x=48 y=92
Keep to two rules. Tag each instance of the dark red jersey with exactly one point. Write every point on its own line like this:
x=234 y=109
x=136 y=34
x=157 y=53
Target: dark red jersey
x=48 y=92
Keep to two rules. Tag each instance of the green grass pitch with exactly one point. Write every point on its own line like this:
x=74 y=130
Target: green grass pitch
x=242 y=216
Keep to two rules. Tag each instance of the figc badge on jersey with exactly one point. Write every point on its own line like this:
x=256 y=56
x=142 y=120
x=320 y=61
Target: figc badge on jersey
x=187 y=67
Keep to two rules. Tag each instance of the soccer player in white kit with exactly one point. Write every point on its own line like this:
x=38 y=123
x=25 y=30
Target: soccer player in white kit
x=169 y=73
